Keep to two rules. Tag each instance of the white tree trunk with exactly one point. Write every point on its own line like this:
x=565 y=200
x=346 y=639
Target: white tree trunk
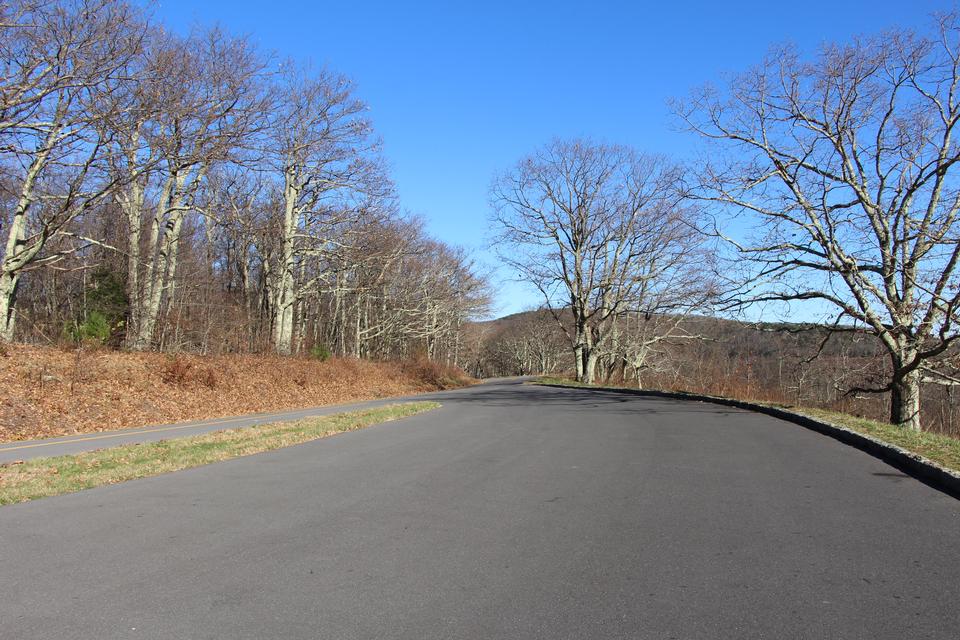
x=590 y=365
x=10 y=274
x=142 y=336
x=905 y=400
x=132 y=205
x=8 y=310
x=17 y=255
x=285 y=286
x=163 y=263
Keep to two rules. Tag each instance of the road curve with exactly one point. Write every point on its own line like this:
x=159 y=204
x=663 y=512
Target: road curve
x=514 y=511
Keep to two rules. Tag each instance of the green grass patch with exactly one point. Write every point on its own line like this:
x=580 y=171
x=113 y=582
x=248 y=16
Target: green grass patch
x=41 y=477
x=941 y=449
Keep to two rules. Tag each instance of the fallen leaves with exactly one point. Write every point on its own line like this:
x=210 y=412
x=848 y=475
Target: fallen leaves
x=46 y=392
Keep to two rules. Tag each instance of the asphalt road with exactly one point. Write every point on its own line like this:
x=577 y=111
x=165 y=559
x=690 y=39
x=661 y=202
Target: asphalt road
x=512 y=512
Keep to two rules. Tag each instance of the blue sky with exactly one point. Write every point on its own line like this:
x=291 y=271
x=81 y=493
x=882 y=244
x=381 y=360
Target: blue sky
x=460 y=91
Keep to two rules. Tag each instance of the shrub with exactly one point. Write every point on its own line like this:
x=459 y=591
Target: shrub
x=95 y=328
x=106 y=294
x=104 y=305
x=207 y=377
x=320 y=352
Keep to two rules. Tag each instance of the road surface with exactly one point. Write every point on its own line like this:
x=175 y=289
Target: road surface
x=514 y=511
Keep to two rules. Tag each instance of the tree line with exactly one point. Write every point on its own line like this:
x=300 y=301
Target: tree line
x=168 y=191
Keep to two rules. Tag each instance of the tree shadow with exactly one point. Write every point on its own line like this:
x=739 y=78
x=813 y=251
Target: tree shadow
x=521 y=394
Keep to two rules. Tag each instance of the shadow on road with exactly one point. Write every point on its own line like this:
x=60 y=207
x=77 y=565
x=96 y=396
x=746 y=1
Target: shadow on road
x=520 y=394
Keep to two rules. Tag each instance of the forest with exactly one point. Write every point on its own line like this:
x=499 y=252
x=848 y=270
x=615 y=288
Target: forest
x=191 y=193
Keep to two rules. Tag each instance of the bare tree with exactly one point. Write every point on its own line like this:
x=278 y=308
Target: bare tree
x=192 y=200
x=200 y=104
x=320 y=147
x=60 y=72
x=848 y=165
x=642 y=342
x=596 y=228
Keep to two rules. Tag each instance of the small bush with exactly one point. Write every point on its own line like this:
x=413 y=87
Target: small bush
x=320 y=352
x=95 y=329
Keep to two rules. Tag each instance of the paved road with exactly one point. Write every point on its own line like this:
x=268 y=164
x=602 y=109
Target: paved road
x=512 y=512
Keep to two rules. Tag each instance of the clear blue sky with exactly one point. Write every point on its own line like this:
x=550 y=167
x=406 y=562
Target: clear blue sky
x=459 y=91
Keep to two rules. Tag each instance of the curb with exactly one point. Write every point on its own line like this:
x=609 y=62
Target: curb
x=913 y=464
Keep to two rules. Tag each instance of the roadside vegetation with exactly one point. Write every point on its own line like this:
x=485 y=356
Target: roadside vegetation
x=40 y=477
x=942 y=449
x=47 y=392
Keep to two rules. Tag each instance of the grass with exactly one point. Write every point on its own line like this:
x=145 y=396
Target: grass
x=41 y=477
x=941 y=449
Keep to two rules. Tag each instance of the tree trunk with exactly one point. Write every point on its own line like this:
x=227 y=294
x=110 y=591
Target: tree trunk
x=8 y=299
x=578 y=358
x=148 y=297
x=133 y=274
x=162 y=274
x=10 y=278
x=356 y=328
x=16 y=255
x=285 y=293
x=589 y=365
x=905 y=400
x=130 y=200
x=283 y=328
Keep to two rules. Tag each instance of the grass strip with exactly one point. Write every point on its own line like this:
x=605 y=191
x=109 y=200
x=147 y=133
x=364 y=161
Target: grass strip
x=939 y=448
x=40 y=477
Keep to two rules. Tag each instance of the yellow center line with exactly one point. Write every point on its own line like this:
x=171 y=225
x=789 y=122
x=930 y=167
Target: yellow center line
x=120 y=435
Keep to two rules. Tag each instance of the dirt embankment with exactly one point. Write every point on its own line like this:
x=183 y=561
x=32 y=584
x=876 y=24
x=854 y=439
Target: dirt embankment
x=49 y=392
